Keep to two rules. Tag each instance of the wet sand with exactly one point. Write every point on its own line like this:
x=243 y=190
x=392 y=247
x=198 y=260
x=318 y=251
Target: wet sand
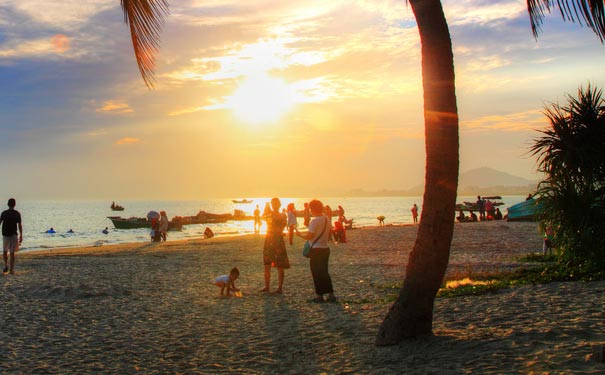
x=152 y=309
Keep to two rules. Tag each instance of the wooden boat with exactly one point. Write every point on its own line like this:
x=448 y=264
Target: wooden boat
x=524 y=211
x=116 y=207
x=204 y=217
x=141 y=222
x=472 y=206
x=242 y=201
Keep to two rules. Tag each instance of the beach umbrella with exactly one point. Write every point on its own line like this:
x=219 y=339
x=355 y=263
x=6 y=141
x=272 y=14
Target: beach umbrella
x=153 y=215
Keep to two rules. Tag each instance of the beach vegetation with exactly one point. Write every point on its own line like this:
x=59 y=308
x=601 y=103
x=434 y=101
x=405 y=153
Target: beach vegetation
x=412 y=313
x=572 y=195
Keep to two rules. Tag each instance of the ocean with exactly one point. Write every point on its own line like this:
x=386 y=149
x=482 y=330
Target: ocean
x=88 y=218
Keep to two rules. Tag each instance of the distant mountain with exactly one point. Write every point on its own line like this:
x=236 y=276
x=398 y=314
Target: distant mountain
x=479 y=181
x=486 y=177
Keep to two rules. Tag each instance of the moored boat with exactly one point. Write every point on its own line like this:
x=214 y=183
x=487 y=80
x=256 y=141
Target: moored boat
x=242 y=200
x=524 y=211
x=141 y=222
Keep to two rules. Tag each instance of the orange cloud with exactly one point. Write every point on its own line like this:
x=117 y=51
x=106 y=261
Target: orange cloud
x=60 y=42
x=127 y=141
x=112 y=106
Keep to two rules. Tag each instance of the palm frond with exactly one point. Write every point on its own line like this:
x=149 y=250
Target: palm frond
x=588 y=12
x=145 y=19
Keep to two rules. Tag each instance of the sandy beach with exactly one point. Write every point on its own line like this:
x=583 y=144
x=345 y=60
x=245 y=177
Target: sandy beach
x=151 y=309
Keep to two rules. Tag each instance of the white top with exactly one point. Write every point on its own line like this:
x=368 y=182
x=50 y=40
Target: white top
x=222 y=279
x=291 y=218
x=316 y=226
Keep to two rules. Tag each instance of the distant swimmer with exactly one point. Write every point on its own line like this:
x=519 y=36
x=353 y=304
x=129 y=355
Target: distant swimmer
x=106 y=230
x=51 y=230
x=70 y=231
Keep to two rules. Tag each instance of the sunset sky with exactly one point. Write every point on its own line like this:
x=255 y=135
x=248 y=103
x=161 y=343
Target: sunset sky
x=269 y=98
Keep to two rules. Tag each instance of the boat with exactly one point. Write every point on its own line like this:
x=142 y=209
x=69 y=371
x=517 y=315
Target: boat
x=525 y=211
x=472 y=206
x=242 y=201
x=116 y=207
x=141 y=222
x=204 y=217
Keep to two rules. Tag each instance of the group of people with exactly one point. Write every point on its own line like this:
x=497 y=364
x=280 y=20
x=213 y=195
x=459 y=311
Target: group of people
x=319 y=233
x=159 y=227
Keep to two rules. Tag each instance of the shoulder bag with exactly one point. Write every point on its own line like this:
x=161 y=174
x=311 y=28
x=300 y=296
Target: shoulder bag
x=307 y=248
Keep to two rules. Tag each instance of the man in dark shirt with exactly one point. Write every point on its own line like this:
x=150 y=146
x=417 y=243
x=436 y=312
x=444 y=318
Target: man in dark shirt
x=12 y=234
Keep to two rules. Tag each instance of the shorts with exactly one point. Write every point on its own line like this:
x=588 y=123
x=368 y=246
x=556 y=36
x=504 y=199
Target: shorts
x=10 y=243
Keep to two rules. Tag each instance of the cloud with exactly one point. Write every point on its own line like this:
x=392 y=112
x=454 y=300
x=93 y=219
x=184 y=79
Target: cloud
x=127 y=141
x=64 y=14
x=115 y=107
x=519 y=121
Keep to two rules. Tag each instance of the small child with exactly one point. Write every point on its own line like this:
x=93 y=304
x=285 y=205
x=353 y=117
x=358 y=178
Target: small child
x=228 y=281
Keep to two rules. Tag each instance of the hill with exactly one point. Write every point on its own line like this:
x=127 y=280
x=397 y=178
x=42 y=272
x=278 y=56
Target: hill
x=479 y=181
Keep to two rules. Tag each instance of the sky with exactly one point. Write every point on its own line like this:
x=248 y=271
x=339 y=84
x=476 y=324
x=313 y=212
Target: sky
x=265 y=98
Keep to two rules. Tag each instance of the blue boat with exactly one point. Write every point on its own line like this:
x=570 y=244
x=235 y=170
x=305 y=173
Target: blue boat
x=525 y=211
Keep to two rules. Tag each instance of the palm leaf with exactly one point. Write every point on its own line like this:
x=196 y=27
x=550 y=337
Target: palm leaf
x=145 y=19
x=588 y=12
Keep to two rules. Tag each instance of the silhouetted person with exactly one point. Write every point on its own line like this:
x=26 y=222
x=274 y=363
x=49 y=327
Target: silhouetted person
x=12 y=235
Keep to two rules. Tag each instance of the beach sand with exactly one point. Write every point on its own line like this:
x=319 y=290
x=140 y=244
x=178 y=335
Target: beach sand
x=152 y=309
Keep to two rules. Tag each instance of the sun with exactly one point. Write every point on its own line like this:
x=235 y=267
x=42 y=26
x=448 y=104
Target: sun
x=261 y=99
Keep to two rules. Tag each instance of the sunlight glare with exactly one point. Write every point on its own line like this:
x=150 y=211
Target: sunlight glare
x=261 y=99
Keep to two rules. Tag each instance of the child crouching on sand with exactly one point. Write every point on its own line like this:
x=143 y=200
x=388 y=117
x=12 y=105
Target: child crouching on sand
x=228 y=281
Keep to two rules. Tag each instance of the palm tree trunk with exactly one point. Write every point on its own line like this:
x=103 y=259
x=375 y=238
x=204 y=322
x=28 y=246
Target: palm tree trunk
x=412 y=313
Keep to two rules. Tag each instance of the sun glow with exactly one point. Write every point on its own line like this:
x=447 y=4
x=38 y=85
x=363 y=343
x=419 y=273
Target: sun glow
x=261 y=99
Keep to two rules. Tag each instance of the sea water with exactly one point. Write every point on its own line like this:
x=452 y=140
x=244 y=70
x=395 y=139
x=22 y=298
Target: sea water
x=87 y=219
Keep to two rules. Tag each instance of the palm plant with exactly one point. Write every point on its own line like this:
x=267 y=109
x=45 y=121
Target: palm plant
x=412 y=314
x=572 y=157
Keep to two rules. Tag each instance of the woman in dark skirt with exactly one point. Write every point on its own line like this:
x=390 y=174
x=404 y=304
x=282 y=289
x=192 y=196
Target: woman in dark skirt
x=274 y=251
x=319 y=235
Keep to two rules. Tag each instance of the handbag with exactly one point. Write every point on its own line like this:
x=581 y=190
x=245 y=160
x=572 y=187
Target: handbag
x=307 y=247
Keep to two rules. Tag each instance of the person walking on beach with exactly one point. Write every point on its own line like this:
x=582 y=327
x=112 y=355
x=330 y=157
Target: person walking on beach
x=291 y=214
x=415 y=213
x=163 y=225
x=257 y=220
x=274 y=251
x=319 y=235
x=12 y=235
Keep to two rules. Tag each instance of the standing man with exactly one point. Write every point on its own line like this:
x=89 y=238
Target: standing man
x=415 y=213
x=11 y=223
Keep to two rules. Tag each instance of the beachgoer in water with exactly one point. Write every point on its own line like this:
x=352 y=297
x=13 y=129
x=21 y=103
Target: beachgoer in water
x=291 y=214
x=208 y=233
x=257 y=220
x=381 y=220
x=163 y=225
x=227 y=282
x=12 y=235
x=274 y=250
x=70 y=231
x=51 y=230
x=415 y=213
x=319 y=235
x=106 y=230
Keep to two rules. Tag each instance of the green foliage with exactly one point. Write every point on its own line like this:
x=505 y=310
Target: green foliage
x=571 y=154
x=543 y=274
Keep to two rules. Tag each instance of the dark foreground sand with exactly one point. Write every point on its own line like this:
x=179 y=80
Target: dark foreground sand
x=151 y=309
